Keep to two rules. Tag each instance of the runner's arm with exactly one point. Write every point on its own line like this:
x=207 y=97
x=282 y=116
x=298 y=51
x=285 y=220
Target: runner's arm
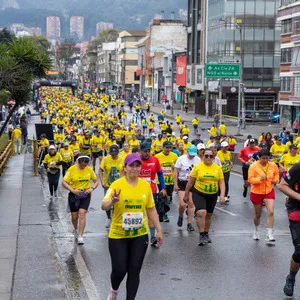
x=283 y=186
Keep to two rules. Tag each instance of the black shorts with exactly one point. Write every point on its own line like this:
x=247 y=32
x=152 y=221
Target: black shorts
x=76 y=204
x=295 y=232
x=245 y=173
x=204 y=201
x=181 y=185
x=97 y=154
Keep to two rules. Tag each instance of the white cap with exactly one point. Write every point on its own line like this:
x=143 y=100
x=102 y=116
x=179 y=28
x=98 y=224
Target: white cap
x=211 y=145
x=185 y=137
x=200 y=146
x=224 y=144
x=52 y=147
x=153 y=134
x=173 y=133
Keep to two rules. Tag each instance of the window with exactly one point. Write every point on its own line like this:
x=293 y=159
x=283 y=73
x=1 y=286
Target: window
x=286 y=55
x=287 y=2
x=296 y=25
x=296 y=57
x=297 y=87
x=286 y=26
x=285 y=84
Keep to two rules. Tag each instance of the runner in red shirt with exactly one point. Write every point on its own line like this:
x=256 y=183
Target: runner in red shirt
x=245 y=156
x=151 y=167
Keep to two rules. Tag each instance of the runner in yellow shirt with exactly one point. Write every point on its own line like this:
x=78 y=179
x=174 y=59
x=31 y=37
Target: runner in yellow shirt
x=278 y=150
x=111 y=169
x=16 y=134
x=97 y=143
x=289 y=160
x=67 y=157
x=195 y=123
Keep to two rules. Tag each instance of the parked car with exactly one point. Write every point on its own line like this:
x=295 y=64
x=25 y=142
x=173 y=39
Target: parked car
x=275 y=117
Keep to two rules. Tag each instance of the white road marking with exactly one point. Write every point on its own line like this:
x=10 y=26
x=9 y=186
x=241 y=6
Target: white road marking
x=226 y=211
x=86 y=278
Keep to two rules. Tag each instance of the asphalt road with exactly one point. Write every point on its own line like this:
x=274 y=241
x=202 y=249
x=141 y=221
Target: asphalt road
x=232 y=267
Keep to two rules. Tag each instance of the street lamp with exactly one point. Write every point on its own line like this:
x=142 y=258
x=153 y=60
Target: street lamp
x=241 y=97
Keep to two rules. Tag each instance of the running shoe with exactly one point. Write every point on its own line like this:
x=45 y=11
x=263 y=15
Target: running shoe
x=113 y=295
x=256 y=236
x=190 y=227
x=207 y=238
x=153 y=242
x=80 y=240
x=166 y=218
x=289 y=286
x=270 y=237
x=245 y=192
x=107 y=223
x=180 y=221
x=227 y=199
x=202 y=240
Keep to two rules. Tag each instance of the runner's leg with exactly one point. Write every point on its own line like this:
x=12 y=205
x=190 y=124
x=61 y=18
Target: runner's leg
x=137 y=250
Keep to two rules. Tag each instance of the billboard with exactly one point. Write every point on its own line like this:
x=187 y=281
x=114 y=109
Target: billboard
x=181 y=62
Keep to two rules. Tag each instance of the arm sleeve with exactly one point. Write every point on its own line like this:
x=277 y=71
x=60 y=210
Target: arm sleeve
x=161 y=179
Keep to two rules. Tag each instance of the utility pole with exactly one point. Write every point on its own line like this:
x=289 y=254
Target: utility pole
x=172 y=83
x=241 y=83
x=220 y=97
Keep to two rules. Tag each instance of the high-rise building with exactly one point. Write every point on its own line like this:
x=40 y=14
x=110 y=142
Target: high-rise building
x=289 y=101
x=101 y=26
x=243 y=31
x=53 y=27
x=77 y=27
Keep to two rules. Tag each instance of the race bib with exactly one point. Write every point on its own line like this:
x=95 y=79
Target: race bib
x=66 y=155
x=52 y=164
x=167 y=171
x=148 y=179
x=76 y=152
x=132 y=221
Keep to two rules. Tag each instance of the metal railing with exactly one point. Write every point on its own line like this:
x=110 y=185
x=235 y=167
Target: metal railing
x=9 y=150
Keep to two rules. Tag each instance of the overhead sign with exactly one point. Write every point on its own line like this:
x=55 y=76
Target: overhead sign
x=229 y=60
x=223 y=71
x=222 y=101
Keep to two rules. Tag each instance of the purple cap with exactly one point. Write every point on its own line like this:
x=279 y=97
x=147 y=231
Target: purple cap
x=131 y=158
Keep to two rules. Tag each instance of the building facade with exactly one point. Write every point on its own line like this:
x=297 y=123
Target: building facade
x=130 y=80
x=101 y=26
x=289 y=16
x=77 y=27
x=53 y=27
x=245 y=31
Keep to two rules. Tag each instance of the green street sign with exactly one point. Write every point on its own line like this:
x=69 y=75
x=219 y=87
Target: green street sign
x=223 y=70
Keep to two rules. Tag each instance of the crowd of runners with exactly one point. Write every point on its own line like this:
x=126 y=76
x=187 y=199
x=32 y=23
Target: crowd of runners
x=141 y=162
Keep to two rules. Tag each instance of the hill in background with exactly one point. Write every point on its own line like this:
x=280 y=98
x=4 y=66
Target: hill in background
x=125 y=14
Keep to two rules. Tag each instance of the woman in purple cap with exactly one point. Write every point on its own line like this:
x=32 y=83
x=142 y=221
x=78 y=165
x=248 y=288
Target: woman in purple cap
x=132 y=201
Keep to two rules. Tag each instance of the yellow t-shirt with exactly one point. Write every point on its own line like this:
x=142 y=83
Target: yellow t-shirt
x=112 y=168
x=222 y=129
x=133 y=200
x=45 y=142
x=207 y=178
x=17 y=134
x=80 y=179
x=75 y=149
x=288 y=161
x=124 y=154
x=98 y=142
x=167 y=163
x=213 y=131
x=66 y=154
x=277 y=151
x=134 y=144
x=186 y=145
x=225 y=159
x=177 y=119
x=195 y=122
x=51 y=160
x=157 y=146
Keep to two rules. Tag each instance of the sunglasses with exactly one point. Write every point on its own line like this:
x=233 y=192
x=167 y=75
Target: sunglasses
x=208 y=156
x=85 y=160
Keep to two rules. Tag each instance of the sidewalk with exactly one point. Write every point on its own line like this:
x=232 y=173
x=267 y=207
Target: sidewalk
x=205 y=123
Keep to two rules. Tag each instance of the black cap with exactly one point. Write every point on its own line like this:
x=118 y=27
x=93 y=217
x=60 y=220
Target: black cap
x=167 y=144
x=159 y=136
x=252 y=141
x=145 y=146
x=294 y=146
x=114 y=149
x=263 y=144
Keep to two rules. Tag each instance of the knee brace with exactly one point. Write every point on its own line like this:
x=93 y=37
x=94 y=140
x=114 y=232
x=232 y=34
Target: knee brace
x=296 y=255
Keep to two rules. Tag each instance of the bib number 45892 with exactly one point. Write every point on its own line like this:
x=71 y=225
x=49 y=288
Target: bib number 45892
x=132 y=221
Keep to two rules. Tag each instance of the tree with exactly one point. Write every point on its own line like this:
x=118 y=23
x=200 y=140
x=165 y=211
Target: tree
x=64 y=51
x=6 y=36
x=41 y=43
x=21 y=62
